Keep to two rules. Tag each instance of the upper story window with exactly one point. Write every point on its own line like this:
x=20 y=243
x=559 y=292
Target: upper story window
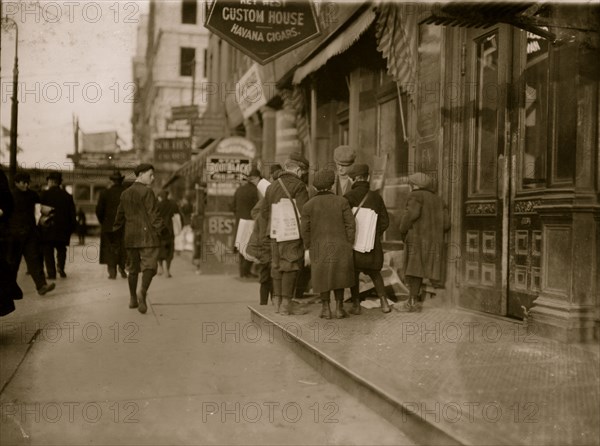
x=189 y=11
x=187 y=61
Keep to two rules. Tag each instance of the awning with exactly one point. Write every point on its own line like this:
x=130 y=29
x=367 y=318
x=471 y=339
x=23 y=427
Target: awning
x=338 y=45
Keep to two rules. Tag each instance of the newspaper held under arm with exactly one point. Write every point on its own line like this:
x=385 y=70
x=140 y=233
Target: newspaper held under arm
x=284 y=223
x=242 y=238
x=262 y=186
x=366 y=224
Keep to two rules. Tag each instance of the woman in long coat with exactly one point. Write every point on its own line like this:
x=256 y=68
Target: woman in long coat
x=422 y=229
x=328 y=230
x=369 y=263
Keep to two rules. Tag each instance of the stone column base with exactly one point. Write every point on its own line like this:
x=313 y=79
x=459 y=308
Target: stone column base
x=562 y=321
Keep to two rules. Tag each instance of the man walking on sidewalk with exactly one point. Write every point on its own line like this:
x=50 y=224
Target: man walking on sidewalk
x=138 y=212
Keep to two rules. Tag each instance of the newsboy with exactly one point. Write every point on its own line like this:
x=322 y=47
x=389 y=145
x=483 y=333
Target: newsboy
x=138 y=212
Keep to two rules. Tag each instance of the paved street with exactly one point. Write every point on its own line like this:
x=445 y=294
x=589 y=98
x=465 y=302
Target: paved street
x=79 y=367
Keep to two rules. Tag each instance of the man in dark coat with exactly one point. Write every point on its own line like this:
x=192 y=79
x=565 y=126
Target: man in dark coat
x=57 y=235
x=344 y=157
x=138 y=212
x=244 y=199
x=328 y=231
x=9 y=289
x=369 y=263
x=167 y=209
x=422 y=230
x=24 y=238
x=287 y=257
x=112 y=250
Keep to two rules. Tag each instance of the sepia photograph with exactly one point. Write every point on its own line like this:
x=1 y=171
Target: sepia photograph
x=300 y=222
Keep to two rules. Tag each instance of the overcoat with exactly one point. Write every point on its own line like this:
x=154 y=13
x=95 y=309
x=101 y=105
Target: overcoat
x=372 y=260
x=422 y=228
x=259 y=244
x=289 y=255
x=328 y=230
x=138 y=212
x=106 y=211
x=65 y=217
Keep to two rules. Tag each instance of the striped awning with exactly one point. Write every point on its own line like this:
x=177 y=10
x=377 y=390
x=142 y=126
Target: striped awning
x=397 y=41
x=338 y=45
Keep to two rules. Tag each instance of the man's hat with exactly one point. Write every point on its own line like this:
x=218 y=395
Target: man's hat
x=299 y=159
x=344 y=155
x=254 y=173
x=116 y=176
x=55 y=176
x=421 y=180
x=141 y=168
x=22 y=176
x=359 y=170
x=324 y=179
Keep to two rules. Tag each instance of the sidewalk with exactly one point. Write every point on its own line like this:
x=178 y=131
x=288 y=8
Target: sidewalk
x=471 y=378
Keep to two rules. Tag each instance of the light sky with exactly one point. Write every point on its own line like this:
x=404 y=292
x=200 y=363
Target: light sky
x=75 y=57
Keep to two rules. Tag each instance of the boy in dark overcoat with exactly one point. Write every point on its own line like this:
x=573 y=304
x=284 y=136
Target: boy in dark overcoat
x=422 y=230
x=369 y=263
x=328 y=230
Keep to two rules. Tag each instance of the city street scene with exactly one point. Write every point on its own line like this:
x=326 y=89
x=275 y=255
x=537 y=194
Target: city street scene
x=252 y=222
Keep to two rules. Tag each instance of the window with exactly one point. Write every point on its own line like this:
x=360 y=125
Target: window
x=189 y=11
x=204 y=63
x=187 y=61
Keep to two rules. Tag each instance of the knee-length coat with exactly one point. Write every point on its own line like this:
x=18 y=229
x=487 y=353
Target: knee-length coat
x=372 y=260
x=422 y=227
x=328 y=230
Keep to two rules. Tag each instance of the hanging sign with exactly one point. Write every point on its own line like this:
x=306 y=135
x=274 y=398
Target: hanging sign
x=263 y=29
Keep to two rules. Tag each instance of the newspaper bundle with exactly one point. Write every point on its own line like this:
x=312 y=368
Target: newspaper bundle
x=366 y=223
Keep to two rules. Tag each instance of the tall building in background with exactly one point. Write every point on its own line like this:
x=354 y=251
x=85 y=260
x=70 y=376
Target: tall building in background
x=169 y=68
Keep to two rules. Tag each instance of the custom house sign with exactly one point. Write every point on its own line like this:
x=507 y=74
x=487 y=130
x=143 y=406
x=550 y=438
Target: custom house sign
x=263 y=29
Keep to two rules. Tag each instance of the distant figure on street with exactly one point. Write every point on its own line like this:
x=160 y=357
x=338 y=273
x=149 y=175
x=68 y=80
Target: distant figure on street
x=328 y=230
x=57 y=235
x=344 y=157
x=287 y=257
x=24 y=237
x=167 y=208
x=244 y=199
x=138 y=213
x=9 y=289
x=369 y=263
x=81 y=226
x=112 y=249
x=422 y=231
x=197 y=225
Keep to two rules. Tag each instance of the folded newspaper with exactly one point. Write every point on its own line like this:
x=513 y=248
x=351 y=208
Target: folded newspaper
x=366 y=224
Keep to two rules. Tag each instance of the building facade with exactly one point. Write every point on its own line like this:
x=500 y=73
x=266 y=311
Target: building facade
x=497 y=101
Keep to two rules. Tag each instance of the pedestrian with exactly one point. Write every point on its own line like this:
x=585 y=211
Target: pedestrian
x=24 y=237
x=259 y=246
x=344 y=157
x=9 y=289
x=81 y=226
x=167 y=209
x=287 y=257
x=57 y=235
x=197 y=225
x=112 y=248
x=138 y=213
x=422 y=230
x=369 y=263
x=328 y=230
x=244 y=199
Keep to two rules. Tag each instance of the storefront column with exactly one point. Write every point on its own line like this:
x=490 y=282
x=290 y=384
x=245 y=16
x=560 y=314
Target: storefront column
x=268 y=135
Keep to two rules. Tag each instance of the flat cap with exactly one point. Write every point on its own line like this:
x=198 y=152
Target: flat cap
x=344 y=155
x=22 y=176
x=421 y=180
x=116 y=176
x=299 y=159
x=141 y=168
x=359 y=170
x=324 y=179
x=55 y=176
x=254 y=173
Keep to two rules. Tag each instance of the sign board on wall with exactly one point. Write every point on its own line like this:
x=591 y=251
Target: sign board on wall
x=250 y=92
x=262 y=29
x=172 y=149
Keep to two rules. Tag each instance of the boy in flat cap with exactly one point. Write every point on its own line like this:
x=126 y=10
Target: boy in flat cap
x=328 y=230
x=287 y=257
x=344 y=157
x=112 y=250
x=138 y=212
x=56 y=237
x=369 y=263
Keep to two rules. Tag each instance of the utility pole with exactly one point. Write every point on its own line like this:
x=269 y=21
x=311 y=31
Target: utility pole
x=14 y=114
